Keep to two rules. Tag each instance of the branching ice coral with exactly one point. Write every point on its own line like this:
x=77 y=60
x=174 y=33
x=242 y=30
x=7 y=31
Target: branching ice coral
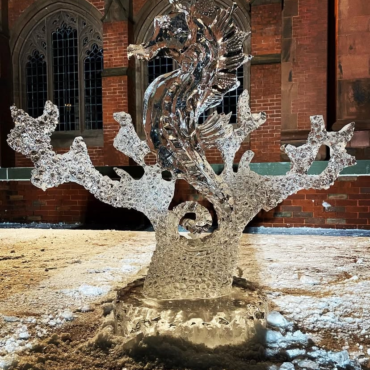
x=150 y=195
x=208 y=47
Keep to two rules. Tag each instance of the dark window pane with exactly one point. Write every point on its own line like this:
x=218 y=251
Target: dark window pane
x=36 y=83
x=93 y=68
x=203 y=117
x=230 y=101
x=158 y=67
x=65 y=70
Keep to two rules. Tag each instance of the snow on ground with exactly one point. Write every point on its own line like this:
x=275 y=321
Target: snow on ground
x=321 y=283
x=51 y=277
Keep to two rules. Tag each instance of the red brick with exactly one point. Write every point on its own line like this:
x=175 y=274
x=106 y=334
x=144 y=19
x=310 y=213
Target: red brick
x=266 y=85
x=266 y=29
x=291 y=208
x=356 y=221
x=315 y=221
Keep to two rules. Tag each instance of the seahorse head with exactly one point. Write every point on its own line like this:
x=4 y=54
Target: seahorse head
x=171 y=31
x=199 y=8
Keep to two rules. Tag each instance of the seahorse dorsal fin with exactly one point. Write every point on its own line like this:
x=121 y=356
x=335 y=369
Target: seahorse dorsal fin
x=216 y=128
x=223 y=24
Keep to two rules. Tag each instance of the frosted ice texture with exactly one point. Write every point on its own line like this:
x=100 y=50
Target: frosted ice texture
x=208 y=48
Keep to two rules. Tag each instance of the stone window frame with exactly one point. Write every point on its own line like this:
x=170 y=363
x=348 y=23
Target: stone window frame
x=143 y=29
x=27 y=34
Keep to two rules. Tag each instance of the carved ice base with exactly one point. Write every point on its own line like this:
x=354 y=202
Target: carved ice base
x=192 y=268
x=228 y=320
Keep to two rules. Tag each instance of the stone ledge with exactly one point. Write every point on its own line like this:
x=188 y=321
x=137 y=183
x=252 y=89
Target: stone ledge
x=113 y=72
x=266 y=59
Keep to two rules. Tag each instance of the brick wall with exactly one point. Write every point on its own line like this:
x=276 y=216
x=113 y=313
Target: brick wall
x=266 y=96
x=353 y=75
x=137 y=5
x=289 y=93
x=310 y=30
x=16 y=8
x=265 y=89
x=115 y=88
x=346 y=205
x=69 y=203
x=304 y=57
x=266 y=29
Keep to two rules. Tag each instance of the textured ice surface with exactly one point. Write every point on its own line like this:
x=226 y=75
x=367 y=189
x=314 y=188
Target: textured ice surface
x=227 y=320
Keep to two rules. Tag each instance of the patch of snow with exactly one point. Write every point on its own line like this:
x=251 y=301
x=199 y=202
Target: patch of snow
x=10 y=319
x=277 y=320
x=24 y=335
x=341 y=358
x=92 y=291
x=87 y=291
x=273 y=336
x=287 y=366
x=308 y=364
x=85 y=308
x=309 y=280
x=6 y=362
x=67 y=315
x=326 y=205
x=295 y=352
x=129 y=268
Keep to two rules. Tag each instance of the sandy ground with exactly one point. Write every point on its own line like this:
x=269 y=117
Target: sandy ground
x=58 y=282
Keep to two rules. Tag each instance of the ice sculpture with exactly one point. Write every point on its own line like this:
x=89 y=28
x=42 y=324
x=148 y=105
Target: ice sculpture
x=208 y=48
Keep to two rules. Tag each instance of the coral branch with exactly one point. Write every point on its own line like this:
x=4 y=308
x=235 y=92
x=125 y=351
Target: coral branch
x=32 y=137
x=127 y=140
x=278 y=188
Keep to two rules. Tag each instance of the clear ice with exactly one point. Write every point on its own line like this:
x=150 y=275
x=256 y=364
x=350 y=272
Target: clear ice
x=208 y=48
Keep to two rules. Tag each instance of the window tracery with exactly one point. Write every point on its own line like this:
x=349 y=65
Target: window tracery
x=62 y=60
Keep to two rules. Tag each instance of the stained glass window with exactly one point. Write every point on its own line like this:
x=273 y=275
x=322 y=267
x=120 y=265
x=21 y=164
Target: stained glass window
x=93 y=68
x=36 y=83
x=65 y=71
x=63 y=61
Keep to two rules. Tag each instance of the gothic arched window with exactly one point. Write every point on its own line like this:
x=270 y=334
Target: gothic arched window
x=62 y=61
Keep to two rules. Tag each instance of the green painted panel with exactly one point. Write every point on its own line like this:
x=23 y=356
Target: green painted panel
x=3 y=174
x=19 y=173
x=362 y=168
x=272 y=169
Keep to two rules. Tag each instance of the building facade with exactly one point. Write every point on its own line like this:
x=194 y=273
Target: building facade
x=310 y=57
